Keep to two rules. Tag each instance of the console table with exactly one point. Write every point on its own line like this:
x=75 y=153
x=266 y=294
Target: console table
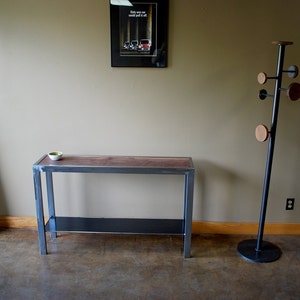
x=113 y=164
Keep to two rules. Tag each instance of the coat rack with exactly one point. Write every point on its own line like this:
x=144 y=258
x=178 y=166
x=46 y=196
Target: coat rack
x=257 y=250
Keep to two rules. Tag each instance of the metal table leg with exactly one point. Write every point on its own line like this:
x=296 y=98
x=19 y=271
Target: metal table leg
x=188 y=212
x=39 y=211
x=51 y=206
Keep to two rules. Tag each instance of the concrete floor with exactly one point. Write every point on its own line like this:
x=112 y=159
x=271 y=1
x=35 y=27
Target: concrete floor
x=96 y=266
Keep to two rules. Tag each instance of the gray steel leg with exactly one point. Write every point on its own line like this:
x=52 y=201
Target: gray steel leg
x=51 y=206
x=188 y=212
x=39 y=211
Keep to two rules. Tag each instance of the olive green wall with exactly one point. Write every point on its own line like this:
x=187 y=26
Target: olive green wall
x=58 y=91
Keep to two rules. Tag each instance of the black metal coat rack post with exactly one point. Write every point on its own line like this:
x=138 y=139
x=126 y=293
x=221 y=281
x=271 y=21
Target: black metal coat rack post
x=258 y=250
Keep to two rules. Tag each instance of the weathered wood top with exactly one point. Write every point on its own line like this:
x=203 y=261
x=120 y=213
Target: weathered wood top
x=118 y=161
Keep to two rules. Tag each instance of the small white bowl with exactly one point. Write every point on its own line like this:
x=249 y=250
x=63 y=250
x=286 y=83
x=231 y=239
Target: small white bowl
x=55 y=155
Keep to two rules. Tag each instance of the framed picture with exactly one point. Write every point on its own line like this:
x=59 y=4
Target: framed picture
x=139 y=34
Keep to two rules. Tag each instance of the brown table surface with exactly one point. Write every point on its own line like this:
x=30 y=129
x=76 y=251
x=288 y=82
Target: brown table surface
x=119 y=161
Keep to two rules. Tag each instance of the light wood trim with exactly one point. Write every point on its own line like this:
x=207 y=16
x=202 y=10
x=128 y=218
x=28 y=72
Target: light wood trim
x=244 y=228
x=198 y=227
x=18 y=222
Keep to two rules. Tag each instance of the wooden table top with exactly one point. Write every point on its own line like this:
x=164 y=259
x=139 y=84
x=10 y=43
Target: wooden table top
x=119 y=161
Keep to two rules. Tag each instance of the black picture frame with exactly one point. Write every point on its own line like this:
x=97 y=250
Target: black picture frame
x=139 y=34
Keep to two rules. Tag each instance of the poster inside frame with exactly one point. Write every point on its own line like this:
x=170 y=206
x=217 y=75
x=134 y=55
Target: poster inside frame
x=139 y=34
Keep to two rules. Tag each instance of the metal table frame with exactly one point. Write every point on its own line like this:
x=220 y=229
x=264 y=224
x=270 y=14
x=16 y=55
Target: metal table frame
x=120 y=165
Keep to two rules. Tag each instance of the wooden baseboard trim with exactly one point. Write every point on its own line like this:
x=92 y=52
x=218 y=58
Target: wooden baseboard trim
x=244 y=228
x=18 y=222
x=198 y=227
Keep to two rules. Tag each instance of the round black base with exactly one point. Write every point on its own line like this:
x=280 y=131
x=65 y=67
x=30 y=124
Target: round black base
x=268 y=252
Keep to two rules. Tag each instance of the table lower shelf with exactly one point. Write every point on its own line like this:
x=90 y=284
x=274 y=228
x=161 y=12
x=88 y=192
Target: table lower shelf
x=116 y=225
